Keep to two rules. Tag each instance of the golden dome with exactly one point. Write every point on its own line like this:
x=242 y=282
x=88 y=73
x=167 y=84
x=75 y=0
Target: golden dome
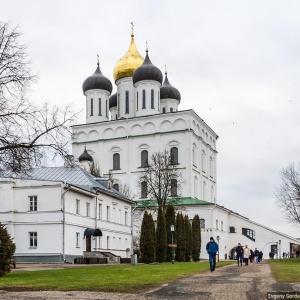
x=126 y=66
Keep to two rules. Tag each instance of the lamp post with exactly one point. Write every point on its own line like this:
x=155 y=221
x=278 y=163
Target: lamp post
x=172 y=232
x=218 y=239
x=279 y=244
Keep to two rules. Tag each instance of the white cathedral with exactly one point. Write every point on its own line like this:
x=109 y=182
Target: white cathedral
x=142 y=117
x=50 y=211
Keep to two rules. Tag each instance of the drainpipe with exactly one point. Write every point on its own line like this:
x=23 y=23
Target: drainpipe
x=96 y=198
x=64 y=218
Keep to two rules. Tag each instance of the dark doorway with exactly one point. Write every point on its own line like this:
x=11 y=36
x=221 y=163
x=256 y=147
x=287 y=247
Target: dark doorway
x=88 y=244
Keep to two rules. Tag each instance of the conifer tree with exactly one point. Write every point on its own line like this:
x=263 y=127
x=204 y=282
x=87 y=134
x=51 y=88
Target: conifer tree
x=161 y=237
x=196 y=238
x=170 y=220
x=7 y=250
x=180 y=237
x=147 y=240
x=188 y=238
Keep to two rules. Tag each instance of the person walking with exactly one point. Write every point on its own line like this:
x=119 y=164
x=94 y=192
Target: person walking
x=256 y=252
x=239 y=254
x=212 y=248
x=247 y=254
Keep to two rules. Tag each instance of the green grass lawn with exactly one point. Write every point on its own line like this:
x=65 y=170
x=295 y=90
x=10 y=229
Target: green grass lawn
x=116 y=278
x=285 y=270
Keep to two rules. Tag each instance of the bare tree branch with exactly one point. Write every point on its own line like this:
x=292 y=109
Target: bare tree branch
x=288 y=194
x=163 y=179
x=27 y=132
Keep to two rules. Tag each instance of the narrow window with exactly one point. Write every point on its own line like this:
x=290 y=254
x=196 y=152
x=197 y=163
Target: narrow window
x=174 y=155
x=126 y=102
x=108 y=242
x=106 y=108
x=204 y=190
x=203 y=161
x=77 y=239
x=217 y=224
x=171 y=109
x=137 y=100
x=116 y=186
x=211 y=166
x=164 y=110
x=202 y=223
x=231 y=229
x=92 y=107
x=144 y=99
x=99 y=102
x=173 y=188
x=118 y=104
x=116 y=161
x=33 y=203
x=107 y=213
x=144 y=191
x=144 y=158
x=158 y=102
x=33 y=239
x=100 y=211
x=152 y=98
x=77 y=206
x=87 y=209
x=126 y=218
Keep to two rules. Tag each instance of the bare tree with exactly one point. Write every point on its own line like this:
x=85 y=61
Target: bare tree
x=288 y=194
x=28 y=132
x=160 y=179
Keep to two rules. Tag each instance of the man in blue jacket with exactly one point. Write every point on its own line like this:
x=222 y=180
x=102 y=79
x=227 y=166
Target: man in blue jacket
x=212 y=248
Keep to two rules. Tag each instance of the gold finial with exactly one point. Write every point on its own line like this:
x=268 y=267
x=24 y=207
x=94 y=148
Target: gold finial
x=132 y=26
x=146 y=46
x=166 y=70
x=98 y=60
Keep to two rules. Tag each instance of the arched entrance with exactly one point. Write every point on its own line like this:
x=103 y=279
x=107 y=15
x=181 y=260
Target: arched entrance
x=88 y=233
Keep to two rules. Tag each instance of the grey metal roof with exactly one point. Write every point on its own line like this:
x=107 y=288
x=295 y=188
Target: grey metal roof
x=97 y=81
x=74 y=175
x=147 y=71
x=167 y=91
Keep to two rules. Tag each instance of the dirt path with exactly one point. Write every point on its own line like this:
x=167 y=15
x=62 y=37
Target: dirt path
x=226 y=283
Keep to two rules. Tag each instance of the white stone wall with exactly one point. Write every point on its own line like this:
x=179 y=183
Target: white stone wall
x=184 y=130
x=47 y=221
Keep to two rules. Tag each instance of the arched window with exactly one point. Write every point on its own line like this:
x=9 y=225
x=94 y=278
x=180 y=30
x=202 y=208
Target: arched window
x=144 y=189
x=144 y=99
x=171 y=109
x=231 y=229
x=164 y=110
x=212 y=194
x=173 y=188
x=116 y=186
x=195 y=187
x=152 y=98
x=203 y=161
x=204 y=190
x=127 y=102
x=194 y=155
x=222 y=225
x=137 y=100
x=116 y=161
x=217 y=224
x=174 y=156
x=99 y=104
x=144 y=158
x=92 y=107
x=211 y=167
x=202 y=223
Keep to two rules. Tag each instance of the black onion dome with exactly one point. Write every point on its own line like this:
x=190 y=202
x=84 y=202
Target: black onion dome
x=167 y=91
x=113 y=100
x=97 y=82
x=85 y=156
x=147 y=71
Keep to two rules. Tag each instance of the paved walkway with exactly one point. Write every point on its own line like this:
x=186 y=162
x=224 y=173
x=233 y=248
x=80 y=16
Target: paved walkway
x=227 y=283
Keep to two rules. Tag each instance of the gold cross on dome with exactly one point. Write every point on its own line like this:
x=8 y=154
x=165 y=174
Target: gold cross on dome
x=132 y=26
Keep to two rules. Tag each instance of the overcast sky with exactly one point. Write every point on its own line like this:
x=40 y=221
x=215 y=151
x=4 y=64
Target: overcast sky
x=236 y=63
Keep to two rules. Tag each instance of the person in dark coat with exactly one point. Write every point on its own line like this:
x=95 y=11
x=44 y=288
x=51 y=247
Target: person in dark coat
x=256 y=253
x=239 y=254
x=212 y=248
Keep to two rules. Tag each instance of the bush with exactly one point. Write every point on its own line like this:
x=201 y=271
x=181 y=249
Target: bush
x=170 y=220
x=161 y=237
x=7 y=250
x=196 y=238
